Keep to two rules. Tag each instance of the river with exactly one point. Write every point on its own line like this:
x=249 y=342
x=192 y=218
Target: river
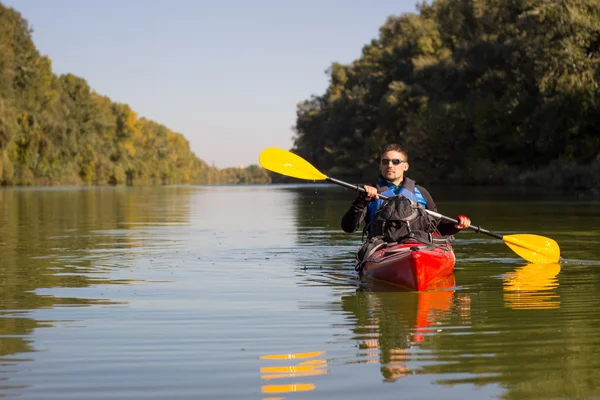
x=249 y=292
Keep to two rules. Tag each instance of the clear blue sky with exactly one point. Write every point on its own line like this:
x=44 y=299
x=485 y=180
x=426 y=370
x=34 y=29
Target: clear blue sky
x=226 y=74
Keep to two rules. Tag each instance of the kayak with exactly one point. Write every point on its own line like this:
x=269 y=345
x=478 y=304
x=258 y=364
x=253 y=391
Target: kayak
x=412 y=265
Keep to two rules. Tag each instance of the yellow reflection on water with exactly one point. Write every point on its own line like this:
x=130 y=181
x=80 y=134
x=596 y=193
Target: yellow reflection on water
x=290 y=355
x=302 y=369
x=289 y=369
x=532 y=286
x=296 y=387
x=313 y=362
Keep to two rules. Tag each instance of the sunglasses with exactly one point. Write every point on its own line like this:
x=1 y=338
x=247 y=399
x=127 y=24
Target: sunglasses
x=395 y=161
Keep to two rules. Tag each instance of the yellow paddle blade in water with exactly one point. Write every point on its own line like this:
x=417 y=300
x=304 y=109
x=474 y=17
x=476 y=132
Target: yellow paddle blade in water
x=534 y=248
x=285 y=163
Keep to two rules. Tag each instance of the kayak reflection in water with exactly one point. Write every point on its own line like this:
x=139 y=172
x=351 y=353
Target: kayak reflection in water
x=389 y=325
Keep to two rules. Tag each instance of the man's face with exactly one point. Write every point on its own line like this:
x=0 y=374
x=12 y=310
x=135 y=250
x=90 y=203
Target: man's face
x=391 y=171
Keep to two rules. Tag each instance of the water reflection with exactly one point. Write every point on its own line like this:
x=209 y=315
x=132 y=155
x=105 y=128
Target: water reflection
x=273 y=275
x=391 y=323
x=532 y=286
x=56 y=242
x=302 y=369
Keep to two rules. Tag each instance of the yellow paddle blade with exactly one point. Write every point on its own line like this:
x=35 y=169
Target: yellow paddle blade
x=285 y=163
x=534 y=248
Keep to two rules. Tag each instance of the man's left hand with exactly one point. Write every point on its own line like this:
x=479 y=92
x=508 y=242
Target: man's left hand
x=463 y=222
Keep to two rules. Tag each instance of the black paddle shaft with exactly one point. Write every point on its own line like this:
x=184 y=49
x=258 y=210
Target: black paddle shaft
x=359 y=188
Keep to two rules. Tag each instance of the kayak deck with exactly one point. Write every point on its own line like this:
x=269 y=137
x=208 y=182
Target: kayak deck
x=412 y=265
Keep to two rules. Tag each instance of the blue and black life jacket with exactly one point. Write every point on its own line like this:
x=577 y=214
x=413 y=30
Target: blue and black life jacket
x=408 y=189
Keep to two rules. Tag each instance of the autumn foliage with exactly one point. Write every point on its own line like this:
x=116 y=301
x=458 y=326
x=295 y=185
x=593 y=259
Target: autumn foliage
x=57 y=130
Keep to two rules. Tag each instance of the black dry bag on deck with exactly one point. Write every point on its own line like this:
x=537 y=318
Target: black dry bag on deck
x=400 y=217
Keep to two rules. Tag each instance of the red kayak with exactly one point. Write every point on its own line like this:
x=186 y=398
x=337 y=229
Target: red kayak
x=413 y=265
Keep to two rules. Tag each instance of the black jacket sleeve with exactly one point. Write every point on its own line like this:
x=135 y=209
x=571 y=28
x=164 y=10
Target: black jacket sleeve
x=355 y=214
x=446 y=228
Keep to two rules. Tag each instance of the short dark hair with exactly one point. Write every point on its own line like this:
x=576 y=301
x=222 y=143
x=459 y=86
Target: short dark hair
x=394 y=147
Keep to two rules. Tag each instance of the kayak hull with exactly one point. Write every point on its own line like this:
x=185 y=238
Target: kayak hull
x=414 y=266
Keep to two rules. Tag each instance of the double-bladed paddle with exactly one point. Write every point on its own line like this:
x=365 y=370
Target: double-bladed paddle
x=533 y=248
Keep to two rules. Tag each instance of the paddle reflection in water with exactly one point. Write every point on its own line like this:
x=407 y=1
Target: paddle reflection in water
x=532 y=286
x=309 y=366
x=391 y=323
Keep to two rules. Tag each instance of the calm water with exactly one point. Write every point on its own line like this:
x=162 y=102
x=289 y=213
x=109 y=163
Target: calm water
x=249 y=293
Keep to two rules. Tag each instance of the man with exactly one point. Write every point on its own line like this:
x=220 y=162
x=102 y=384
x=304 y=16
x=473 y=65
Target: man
x=393 y=163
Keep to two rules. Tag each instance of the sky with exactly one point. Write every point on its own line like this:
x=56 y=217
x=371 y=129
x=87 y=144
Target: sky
x=225 y=74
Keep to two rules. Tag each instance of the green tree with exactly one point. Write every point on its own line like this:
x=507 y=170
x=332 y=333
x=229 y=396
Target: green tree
x=479 y=91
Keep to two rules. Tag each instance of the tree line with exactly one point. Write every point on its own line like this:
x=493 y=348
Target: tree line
x=477 y=91
x=57 y=130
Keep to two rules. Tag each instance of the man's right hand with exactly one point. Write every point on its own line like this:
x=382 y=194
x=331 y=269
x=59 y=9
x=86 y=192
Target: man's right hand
x=371 y=193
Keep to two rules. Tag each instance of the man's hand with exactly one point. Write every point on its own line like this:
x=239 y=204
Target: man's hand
x=371 y=193
x=463 y=222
